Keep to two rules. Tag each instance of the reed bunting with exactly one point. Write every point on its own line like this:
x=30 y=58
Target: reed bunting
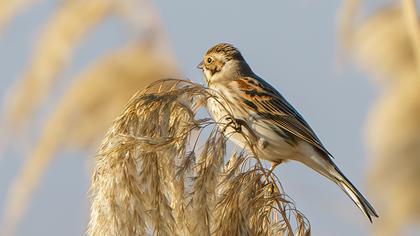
x=242 y=99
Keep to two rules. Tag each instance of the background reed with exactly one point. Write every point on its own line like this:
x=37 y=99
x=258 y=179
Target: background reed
x=95 y=96
x=386 y=43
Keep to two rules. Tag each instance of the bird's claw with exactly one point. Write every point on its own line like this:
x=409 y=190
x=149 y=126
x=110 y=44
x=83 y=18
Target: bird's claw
x=233 y=123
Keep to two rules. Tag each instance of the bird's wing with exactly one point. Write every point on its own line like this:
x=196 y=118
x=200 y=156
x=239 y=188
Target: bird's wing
x=271 y=106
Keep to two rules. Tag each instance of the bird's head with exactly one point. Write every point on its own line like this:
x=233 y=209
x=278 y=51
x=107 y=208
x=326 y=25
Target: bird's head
x=223 y=62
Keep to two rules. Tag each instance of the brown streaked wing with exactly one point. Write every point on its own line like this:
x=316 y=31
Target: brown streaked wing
x=270 y=105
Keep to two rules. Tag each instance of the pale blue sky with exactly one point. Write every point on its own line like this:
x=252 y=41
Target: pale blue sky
x=291 y=44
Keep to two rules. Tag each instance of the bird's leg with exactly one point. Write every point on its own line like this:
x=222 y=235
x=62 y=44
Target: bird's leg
x=273 y=166
x=250 y=133
x=270 y=171
x=236 y=124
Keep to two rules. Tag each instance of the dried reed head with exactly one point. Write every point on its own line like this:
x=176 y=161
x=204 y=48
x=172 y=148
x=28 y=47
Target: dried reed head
x=154 y=175
x=87 y=109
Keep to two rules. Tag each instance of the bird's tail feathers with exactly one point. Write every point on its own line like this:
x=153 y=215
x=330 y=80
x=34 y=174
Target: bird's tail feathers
x=361 y=202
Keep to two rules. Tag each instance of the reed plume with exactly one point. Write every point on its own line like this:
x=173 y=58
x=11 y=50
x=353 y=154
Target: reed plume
x=162 y=170
x=386 y=43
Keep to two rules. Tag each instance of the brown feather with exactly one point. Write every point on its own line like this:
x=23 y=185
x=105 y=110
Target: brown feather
x=274 y=108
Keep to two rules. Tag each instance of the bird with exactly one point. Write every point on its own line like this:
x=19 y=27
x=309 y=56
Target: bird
x=240 y=98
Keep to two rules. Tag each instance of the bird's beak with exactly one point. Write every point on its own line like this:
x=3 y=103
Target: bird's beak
x=201 y=65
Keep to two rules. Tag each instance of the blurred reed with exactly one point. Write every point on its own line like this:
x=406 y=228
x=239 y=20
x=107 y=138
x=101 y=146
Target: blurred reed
x=387 y=44
x=87 y=109
x=393 y=138
x=161 y=170
x=65 y=29
x=363 y=37
x=96 y=96
x=412 y=27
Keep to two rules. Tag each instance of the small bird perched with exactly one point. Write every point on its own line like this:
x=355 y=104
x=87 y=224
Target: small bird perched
x=280 y=132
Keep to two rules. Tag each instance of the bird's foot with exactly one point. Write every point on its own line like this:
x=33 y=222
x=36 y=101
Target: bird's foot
x=271 y=189
x=273 y=166
x=236 y=124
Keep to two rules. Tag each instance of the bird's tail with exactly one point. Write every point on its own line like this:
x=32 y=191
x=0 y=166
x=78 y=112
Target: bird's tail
x=361 y=202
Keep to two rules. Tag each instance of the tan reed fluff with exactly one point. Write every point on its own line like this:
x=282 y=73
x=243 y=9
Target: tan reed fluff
x=265 y=209
x=161 y=170
x=393 y=137
x=64 y=30
x=209 y=166
x=139 y=204
x=83 y=115
x=364 y=39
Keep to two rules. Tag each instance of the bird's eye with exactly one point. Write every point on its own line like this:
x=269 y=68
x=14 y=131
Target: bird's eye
x=209 y=60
